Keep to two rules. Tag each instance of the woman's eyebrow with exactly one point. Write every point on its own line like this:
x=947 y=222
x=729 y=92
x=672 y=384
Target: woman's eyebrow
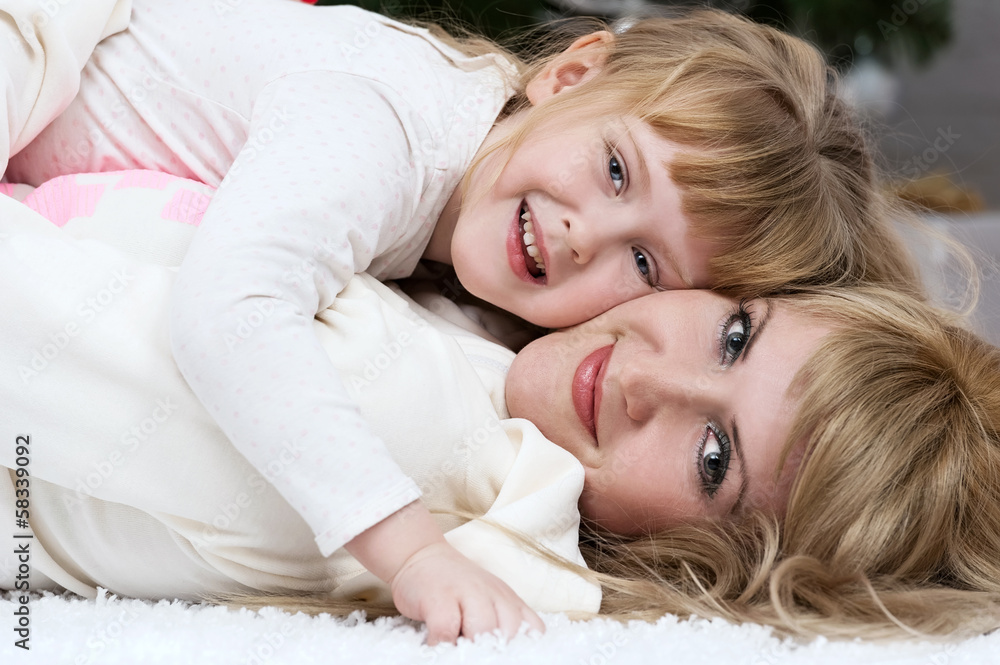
x=761 y=324
x=744 y=479
x=737 y=444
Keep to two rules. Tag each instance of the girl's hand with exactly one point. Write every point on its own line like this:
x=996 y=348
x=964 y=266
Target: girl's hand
x=453 y=596
x=433 y=582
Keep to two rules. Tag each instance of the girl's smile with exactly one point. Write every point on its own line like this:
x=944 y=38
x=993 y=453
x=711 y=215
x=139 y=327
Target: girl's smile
x=526 y=247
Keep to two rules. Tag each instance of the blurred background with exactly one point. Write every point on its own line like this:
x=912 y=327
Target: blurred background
x=926 y=73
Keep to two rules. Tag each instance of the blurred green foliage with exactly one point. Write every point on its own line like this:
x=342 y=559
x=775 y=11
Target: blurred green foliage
x=889 y=30
x=892 y=31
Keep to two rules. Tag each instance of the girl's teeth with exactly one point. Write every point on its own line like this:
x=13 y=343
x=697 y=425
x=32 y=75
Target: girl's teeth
x=529 y=240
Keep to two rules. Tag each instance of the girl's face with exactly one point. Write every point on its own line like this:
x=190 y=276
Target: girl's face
x=676 y=404
x=583 y=217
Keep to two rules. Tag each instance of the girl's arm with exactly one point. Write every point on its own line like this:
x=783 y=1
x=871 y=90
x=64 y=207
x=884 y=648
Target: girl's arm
x=433 y=582
x=42 y=50
x=301 y=210
x=316 y=193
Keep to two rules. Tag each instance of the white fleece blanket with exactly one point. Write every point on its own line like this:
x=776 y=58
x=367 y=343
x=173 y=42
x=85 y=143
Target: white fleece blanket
x=73 y=631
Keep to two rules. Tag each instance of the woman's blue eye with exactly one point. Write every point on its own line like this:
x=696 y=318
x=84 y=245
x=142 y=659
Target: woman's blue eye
x=713 y=460
x=736 y=339
x=735 y=335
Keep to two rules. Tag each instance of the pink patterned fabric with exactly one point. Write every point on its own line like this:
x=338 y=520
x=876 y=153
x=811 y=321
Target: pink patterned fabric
x=186 y=207
x=61 y=199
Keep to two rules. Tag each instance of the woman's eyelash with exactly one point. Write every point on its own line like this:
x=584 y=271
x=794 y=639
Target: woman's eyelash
x=713 y=459
x=734 y=334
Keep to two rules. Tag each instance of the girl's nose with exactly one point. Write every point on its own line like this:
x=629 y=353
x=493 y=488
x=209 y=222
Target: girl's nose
x=581 y=238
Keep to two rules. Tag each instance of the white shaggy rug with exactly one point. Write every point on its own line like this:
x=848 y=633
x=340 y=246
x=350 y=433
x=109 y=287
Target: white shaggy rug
x=73 y=631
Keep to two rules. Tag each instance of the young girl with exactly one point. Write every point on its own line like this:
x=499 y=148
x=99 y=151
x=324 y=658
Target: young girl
x=705 y=151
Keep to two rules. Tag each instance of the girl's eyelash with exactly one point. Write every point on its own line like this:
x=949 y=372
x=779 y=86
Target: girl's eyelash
x=650 y=275
x=712 y=478
x=732 y=341
x=611 y=153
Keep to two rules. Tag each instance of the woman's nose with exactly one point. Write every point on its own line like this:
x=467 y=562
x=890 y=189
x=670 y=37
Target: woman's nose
x=649 y=384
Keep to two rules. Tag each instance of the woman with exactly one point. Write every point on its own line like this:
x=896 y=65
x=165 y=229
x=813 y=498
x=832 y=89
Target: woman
x=95 y=342
x=763 y=442
x=891 y=526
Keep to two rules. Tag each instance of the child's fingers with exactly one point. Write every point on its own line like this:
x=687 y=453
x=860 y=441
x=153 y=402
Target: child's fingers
x=444 y=623
x=479 y=615
x=511 y=613
x=530 y=617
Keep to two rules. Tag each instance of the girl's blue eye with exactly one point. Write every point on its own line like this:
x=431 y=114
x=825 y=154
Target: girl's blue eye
x=645 y=266
x=616 y=168
x=640 y=262
x=617 y=173
x=713 y=459
x=735 y=335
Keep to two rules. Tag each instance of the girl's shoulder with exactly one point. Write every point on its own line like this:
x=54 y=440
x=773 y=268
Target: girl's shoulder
x=413 y=57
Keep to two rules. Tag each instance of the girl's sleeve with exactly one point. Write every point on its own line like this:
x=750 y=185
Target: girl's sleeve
x=43 y=48
x=314 y=195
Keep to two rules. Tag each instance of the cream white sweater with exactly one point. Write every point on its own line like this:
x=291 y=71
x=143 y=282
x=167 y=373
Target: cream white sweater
x=135 y=488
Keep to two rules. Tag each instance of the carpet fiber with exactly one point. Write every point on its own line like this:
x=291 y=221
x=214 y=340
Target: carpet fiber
x=73 y=631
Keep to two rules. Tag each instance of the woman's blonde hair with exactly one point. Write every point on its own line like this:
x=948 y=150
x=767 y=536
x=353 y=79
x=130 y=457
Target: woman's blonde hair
x=774 y=166
x=893 y=524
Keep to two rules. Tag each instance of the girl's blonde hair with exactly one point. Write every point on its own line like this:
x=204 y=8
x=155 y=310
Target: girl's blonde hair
x=893 y=524
x=774 y=166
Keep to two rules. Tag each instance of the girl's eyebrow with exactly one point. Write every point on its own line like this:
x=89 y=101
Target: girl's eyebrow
x=644 y=183
x=643 y=169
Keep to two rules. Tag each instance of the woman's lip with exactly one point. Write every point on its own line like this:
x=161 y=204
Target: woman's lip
x=515 y=249
x=587 y=390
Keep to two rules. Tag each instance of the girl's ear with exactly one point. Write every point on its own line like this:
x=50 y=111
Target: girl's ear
x=577 y=64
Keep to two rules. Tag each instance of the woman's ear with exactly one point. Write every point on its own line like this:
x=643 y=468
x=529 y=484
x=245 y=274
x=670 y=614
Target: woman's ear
x=577 y=64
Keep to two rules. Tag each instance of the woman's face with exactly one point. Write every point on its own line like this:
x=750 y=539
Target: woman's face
x=676 y=404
